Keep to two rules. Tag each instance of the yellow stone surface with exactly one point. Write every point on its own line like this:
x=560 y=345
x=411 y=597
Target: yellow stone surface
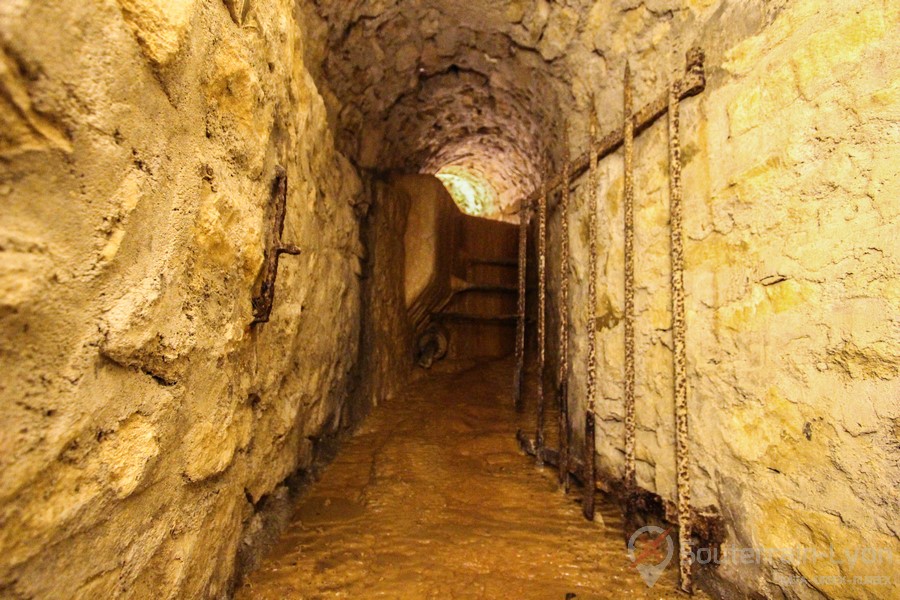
x=127 y=456
x=22 y=127
x=160 y=26
x=816 y=63
x=230 y=233
x=763 y=99
x=820 y=545
x=764 y=302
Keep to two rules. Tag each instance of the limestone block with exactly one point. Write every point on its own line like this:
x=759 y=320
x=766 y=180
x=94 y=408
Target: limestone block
x=760 y=101
x=128 y=454
x=833 y=547
x=878 y=360
x=406 y=58
x=447 y=41
x=516 y=9
x=817 y=63
x=858 y=415
x=210 y=450
x=748 y=54
x=764 y=302
x=228 y=234
x=238 y=10
x=160 y=26
x=22 y=127
x=23 y=276
x=146 y=329
x=238 y=102
x=430 y=24
x=559 y=33
x=125 y=199
x=534 y=22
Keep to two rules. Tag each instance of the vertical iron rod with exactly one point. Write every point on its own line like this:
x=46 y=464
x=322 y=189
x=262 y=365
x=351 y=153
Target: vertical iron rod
x=563 y=391
x=590 y=478
x=628 y=148
x=542 y=310
x=678 y=337
x=519 y=383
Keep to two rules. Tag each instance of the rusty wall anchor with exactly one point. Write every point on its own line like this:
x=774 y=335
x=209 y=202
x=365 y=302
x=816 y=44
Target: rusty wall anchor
x=262 y=302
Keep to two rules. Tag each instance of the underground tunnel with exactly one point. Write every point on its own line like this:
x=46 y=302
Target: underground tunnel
x=449 y=299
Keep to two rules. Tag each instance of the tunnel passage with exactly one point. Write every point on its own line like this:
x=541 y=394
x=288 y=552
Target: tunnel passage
x=442 y=89
x=466 y=96
x=459 y=275
x=442 y=283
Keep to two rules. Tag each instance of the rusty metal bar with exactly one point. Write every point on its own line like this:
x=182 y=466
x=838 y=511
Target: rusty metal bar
x=683 y=476
x=519 y=381
x=263 y=301
x=563 y=380
x=587 y=505
x=550 y=456
x=590 y=467
x=460 y=317
x=542 y=314
x=467 y=288
x=628 y=204
x=693 y=82
x=491 y=262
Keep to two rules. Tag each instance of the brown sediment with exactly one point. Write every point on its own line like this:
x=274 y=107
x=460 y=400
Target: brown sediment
x=432 y=499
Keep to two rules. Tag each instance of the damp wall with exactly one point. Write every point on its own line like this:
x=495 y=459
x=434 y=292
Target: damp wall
x=791 y=205
x=144 y=422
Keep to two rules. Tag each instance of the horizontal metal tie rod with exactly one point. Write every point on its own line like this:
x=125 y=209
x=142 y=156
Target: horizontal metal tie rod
x=487 y=288
x=493 y=262
x=693 y=82
x=455 y=316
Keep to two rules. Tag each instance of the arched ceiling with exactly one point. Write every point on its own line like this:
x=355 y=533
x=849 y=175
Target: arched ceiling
x=470 y=86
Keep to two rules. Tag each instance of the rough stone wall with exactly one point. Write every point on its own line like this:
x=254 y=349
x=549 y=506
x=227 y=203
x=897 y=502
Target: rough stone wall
x=791 y=203
x=421 y=86
x=429 y=240
x=142 y=419
x=386 y=347
x=792 y=200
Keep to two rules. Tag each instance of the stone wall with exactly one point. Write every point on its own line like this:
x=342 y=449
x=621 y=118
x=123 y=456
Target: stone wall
x=792 y=200
x=143 y=420
x=386 y=345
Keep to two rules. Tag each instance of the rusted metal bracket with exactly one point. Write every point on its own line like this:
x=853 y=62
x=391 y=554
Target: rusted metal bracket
x=708 y=530
x=519 y=381
x=262 y=302
x=587 y=504
x=693 y=82
x=628 y=210
x=550 y=456
x=682 y=440
x=542 y=314
x=538 y=442
x=562 y=390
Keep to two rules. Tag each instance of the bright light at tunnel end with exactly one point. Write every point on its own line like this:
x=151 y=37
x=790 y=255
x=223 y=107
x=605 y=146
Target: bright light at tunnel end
x=471 y=192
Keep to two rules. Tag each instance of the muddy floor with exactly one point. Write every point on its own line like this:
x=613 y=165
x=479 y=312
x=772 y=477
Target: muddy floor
x=433 y=499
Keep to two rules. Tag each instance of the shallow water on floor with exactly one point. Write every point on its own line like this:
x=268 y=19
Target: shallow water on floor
x=432 y=498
